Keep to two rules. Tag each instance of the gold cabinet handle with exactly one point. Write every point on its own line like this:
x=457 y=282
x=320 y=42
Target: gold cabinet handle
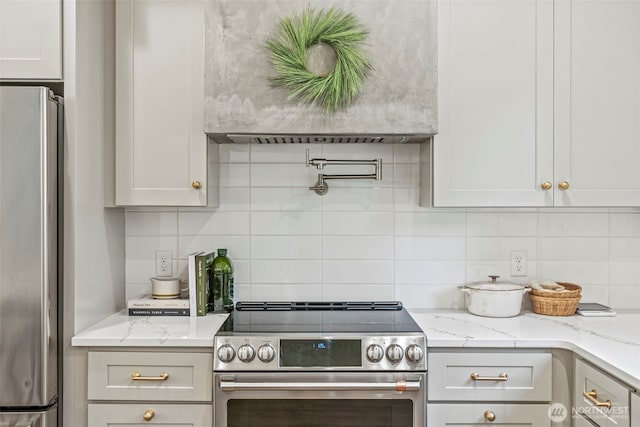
x=148 y=414
x=564 y=185
x=501 y=377
x=546 y=185
x=489 y=415
x=196 y=185
x=593 y=398
x=137 y=376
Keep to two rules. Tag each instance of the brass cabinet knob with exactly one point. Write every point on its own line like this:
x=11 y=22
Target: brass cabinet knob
x=546 y=185
x=196 y=185
x=489 y=415
x=563 y=185
x=148 y=414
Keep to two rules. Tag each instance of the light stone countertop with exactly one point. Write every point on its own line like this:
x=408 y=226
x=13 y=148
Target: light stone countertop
x=612 y=343
x=122 y=330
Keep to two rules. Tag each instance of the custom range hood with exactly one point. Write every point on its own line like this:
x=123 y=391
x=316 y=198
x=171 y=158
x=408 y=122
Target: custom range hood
x=397 y=102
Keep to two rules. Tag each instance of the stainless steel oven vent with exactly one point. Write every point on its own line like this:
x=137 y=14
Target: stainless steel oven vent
x=316 y=139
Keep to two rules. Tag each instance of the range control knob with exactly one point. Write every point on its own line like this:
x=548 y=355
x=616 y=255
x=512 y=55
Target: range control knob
x=375 y=353
x=394 y=353
x=246 y=353
x=414 y=353
x=226 y=353
x=266 y=353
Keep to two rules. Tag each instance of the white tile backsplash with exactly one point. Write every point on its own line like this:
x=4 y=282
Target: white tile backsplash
x=369 y=240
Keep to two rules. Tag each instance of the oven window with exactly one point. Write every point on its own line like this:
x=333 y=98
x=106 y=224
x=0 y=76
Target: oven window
x=319 y=413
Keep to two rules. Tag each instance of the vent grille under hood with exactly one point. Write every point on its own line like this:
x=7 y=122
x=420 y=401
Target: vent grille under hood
x=318 y=139
x=398 y=101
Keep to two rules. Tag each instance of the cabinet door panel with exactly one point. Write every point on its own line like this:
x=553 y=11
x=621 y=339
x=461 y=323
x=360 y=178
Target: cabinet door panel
x=167 y=415
x=31 y=40
x=597 y=100
x=495 y=140
x=161 y=148
x=472 y=415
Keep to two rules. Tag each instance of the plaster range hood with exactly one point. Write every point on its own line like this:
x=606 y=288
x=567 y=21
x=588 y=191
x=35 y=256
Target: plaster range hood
x=398 y=103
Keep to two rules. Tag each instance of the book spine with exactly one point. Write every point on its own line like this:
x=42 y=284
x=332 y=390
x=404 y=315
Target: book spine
x=191 y=267
x=159 y=312
x=201 y=298
x=158 y=304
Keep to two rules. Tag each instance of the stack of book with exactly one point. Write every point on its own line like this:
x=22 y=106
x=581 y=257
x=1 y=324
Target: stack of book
x=146 y=305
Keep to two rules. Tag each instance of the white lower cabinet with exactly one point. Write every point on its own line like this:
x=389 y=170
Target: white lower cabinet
x=136 y=414
x=474 y=414
x=600 y=398
x=505 y=388
x=136 y=388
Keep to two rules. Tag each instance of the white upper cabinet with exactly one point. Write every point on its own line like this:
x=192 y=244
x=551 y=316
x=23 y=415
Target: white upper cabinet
x=597 y=102
x=539 y=103
x=30 y=40
x=161 y=148
x=495 y=103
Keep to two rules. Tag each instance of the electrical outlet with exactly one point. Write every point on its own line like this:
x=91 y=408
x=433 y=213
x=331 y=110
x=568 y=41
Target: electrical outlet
x=518 y=263
x=163 y=263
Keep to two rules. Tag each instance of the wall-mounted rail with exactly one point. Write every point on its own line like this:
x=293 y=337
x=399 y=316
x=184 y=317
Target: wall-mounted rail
x=321 y=187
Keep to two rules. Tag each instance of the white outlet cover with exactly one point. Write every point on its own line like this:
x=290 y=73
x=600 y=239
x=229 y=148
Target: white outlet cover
x=164 y=263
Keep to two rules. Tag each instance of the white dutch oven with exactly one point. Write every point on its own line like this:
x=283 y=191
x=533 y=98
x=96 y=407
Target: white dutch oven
x=493 y=299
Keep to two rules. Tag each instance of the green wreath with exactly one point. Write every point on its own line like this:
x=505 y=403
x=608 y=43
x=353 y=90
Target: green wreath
x=289 y=49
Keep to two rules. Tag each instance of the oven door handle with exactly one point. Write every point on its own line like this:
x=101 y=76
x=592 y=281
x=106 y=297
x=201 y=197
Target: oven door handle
x=230 y=385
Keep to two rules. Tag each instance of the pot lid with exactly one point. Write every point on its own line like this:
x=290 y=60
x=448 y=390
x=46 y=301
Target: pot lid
x=494 y=285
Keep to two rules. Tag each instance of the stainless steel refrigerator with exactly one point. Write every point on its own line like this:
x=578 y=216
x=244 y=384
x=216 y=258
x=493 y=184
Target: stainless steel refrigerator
x=30 y=137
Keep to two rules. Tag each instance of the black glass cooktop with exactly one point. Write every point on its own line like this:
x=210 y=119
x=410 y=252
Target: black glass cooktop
x=319 y=317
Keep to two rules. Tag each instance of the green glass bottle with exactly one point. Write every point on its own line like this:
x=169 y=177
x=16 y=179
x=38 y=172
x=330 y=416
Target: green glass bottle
x=221 y=280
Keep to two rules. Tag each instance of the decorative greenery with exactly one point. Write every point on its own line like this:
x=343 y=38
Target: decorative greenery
x=288 y=50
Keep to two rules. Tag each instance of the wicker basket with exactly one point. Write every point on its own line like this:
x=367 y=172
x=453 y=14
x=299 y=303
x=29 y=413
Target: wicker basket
x=574 y=291
x=554 y=306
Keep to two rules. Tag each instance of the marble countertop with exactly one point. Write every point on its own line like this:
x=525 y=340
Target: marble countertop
x=613 y=343
x=120 y=329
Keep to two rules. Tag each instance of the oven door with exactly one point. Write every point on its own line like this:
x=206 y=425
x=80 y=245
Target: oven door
x=336 y=399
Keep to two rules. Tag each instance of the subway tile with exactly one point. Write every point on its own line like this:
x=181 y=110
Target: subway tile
x=581 y=273
x=358 y=199
x=284 y=153
x=356 y=271
x=234 y=175
x=285 y=199
x=357 y=247
x=499 y=248
x=145 y=247
x=234 y=199
x=286 y=247
x=212 y=223
x=285 y=292
x=430 y=296
x=144 y=223
x=238 y=247
x=574 y=249
x=625 y=225
x=286 y=271
x=624 y=297
x=282 y=175
x=502 y=224
x=430 y=248
x=430 y=223
x=429 y=272
x=234 y=153
x=358 y=152
x=624 y=273
x=406 y=153
x=573 y=224
x=356 y=292
x=624 y=249
x=406 y=175
x=285 y=223
x=357 y=223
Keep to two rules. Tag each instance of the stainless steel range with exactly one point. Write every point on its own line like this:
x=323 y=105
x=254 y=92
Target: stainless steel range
x=320 y=364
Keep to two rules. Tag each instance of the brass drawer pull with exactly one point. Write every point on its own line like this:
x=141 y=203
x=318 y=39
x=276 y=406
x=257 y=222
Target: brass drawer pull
x=137 y=376
x=196 y=185
x=501 y=377
x=489 y=415
x=593 y=398
x=148 y=414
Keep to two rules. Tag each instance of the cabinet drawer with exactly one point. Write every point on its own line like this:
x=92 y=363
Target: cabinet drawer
x=490 y=376
x=131 y=415
x=111 y=376
x=603 y=388
x=635 y=410
x=531 y=415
